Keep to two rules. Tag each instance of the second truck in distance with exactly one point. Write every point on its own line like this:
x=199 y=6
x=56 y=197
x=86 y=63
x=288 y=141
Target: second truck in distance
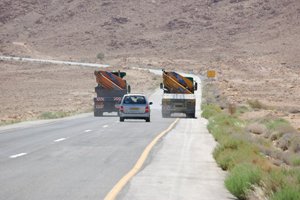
x=178 y=94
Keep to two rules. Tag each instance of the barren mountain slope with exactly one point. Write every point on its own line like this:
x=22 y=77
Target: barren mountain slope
x=202 y=29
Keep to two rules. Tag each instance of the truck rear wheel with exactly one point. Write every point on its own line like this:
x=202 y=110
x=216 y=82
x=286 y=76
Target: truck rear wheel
x=98 y=113
x=166 y=115
x=190 y=115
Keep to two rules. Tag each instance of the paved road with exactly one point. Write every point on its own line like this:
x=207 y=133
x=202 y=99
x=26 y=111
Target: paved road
x=77 y=158
x=84 y=157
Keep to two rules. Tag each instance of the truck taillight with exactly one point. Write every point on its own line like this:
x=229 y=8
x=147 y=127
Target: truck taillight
x=121 y=109
x=147 y=109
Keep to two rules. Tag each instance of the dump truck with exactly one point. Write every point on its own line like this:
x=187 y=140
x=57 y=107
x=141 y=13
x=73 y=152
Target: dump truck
x=110 y=90
x=178 y=94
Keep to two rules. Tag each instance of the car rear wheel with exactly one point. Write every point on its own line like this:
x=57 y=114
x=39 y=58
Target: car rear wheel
x=148 y=119
x=121 y=119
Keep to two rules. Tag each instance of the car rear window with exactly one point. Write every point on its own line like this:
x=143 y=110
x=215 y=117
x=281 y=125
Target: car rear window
x=134 y=100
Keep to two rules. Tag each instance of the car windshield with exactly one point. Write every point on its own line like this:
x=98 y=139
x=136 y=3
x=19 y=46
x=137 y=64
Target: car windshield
x=134 y=100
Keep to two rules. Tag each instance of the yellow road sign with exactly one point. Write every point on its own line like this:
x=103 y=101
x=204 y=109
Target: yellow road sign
x=211 y=73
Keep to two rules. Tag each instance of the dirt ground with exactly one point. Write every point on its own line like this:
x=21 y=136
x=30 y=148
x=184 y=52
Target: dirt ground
x=29 y=90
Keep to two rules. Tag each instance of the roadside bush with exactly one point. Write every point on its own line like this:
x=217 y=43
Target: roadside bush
x=100 y=56
x=287 y=193
x=295 y=160
x=210 y=110
x=256 y=104
x=284 y=142
x=224 y=153
x=53 y=115
x=235 y=152
x=274 y=180
x=275 y=136
x=276 y=123
x=241 y=178
x=221 y=125
x=242 y=109
x=257 y=128
x=295 y=146
x=251 y=160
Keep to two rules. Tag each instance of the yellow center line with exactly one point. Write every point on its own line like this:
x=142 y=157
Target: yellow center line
x=138 y=165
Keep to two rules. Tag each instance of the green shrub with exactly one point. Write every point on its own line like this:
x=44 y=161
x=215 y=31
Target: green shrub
x=287 y=193
x=53 y=115
x=295 y=146
x=210 y=110
x=100 y=56
x=235 y=151
x=8 y=122
x=295 y=173
x=276 y=123
x=256 y=104
x=242 y=109
x=274 y=180
x=241 y=178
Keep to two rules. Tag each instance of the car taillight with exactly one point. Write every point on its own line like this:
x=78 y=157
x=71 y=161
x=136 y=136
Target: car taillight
x=147 y=109
x=121 y=109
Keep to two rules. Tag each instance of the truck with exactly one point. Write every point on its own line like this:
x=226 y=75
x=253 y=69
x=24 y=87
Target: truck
x=178 y=94
x=110 y=90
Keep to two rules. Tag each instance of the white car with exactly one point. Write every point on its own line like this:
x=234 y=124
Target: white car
x=134 y=106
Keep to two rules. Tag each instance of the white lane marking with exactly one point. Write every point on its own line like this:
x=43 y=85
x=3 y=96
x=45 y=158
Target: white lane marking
x=105 y=126
x=60 y=139
x=18 y=155
x=86 y=131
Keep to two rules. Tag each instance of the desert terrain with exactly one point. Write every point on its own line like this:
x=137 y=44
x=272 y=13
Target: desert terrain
x=252 y=44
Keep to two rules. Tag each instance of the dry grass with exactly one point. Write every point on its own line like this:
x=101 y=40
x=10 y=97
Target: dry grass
x=268 y=177
x=256 y=104
x=257 y=128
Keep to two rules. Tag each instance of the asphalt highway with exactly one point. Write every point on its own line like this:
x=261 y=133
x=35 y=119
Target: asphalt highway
x=87 y=157
x=75 y=158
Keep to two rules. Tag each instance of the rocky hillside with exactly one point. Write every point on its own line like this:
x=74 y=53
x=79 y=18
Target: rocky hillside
x=209 y=30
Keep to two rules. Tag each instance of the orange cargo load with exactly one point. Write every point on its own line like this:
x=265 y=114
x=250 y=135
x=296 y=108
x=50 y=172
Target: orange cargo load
x=175 y=83
x=109 y=80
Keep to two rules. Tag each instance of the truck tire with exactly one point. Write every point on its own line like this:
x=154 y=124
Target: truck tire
x=98 y=113
x=166 y=115
x=190 y=115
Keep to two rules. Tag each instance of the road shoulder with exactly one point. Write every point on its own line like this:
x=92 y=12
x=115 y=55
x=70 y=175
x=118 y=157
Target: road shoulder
x=183 y=168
